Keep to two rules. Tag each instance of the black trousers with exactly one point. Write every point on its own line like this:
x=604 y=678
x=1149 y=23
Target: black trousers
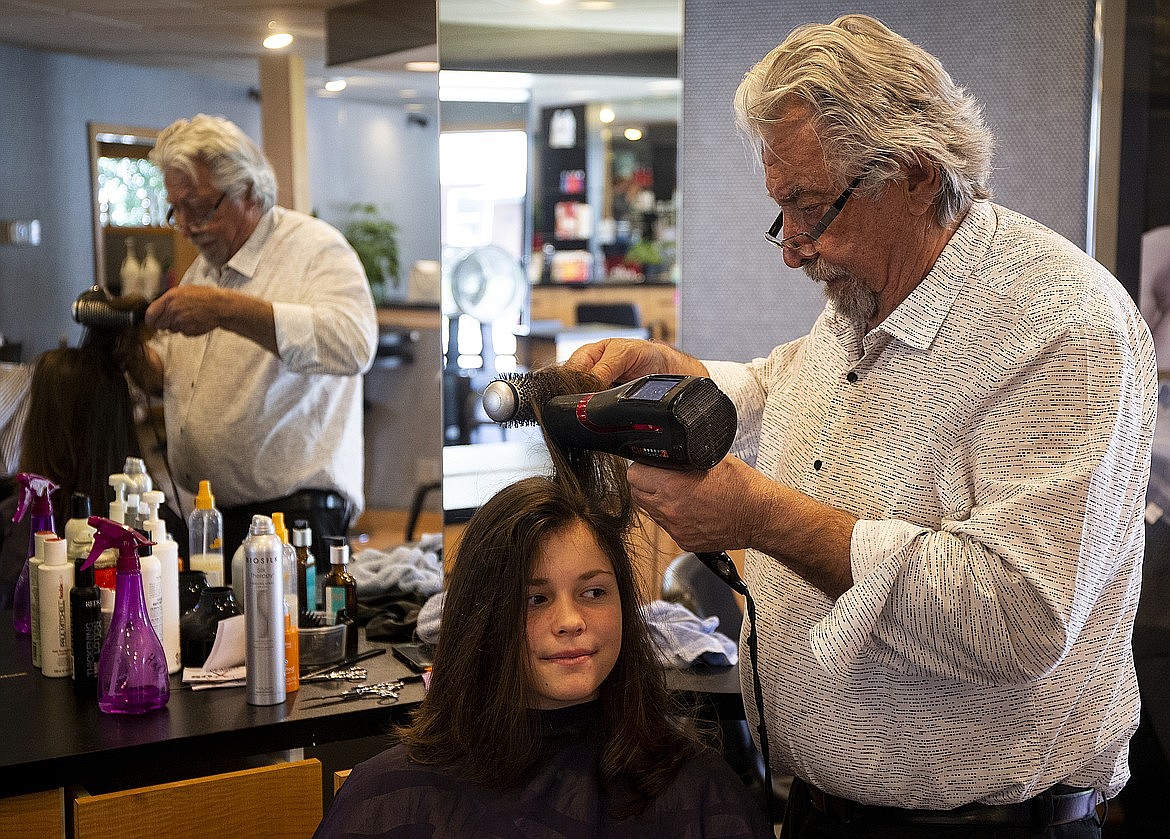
x=804 y=821
x=328 y=514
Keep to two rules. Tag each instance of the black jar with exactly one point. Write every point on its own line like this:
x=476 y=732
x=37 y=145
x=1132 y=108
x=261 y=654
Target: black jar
x=191 y=586
x=197 y=628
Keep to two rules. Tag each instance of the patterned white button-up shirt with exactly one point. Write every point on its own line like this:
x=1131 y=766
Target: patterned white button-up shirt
x=993 y=435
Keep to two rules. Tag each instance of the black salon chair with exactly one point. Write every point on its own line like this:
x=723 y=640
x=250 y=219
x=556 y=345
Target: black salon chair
x=614 y=314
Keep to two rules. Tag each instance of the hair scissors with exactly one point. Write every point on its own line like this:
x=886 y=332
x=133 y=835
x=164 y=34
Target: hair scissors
x=347 y=674
x=386 y=693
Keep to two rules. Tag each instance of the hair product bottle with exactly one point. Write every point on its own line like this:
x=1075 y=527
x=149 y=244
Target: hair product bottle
x=132 y=669
x=85 y=618
x=288 y=570
x=302 y=539
x=34 y=501
x=264 y=613
x=166 y=550
x=205 y=525
x=85 y=614
x=341 y=593
x=56 y=584
x=34 y=591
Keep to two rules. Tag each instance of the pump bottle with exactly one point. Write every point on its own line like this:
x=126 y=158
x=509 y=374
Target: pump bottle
x=166 y=550
x=302 y=539
x=135 y=469
x=56 y=576
x=132 y=669
x=264 y=614
x=341 y=593
x=288 y=569
x=34 y=495
x=127 y=512
x=205 y=526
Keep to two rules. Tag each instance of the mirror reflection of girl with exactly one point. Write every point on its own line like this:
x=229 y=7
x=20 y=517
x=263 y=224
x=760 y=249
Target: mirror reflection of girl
x=547 y=713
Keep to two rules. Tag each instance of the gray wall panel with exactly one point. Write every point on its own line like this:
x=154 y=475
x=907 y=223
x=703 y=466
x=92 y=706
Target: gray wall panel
x=1029 y=64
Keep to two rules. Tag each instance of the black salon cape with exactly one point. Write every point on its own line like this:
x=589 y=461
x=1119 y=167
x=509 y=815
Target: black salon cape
x=392 y=797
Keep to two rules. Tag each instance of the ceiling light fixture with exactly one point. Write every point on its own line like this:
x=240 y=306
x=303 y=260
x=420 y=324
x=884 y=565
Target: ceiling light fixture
x=606 y=115
x=277 y=37
x=335 y=85
x=632 y=134
x=421 y=66
x=550 y=2
x=596 y=5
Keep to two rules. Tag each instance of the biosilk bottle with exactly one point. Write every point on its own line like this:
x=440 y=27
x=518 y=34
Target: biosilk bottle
x=264 y=614
x=34 y=501
x=132 y=670
x=166 y=550
x=341 y=593
x=56 y=584
x=205 y=526
x=288 y=569
x=302 y=540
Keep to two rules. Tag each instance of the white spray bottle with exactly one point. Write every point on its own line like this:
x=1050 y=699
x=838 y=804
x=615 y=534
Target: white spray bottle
x=124 y=510
x=166 y=550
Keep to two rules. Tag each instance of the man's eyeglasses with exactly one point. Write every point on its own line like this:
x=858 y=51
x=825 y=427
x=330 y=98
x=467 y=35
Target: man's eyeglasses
x=194 y=218
x=805 y=243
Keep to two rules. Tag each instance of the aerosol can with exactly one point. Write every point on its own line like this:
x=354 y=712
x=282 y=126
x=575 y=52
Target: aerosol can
x=264 y=613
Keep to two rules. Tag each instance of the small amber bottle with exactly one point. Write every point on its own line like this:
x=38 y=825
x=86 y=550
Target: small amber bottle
x=341 y=593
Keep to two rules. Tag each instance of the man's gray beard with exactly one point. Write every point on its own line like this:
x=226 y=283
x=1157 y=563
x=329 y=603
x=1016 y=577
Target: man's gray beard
x=853 y=299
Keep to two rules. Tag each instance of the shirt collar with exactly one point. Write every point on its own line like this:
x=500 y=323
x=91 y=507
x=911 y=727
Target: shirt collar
x=246 y=260
x=917 y=319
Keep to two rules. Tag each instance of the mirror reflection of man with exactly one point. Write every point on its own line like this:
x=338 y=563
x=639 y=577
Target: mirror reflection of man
x=261 y=347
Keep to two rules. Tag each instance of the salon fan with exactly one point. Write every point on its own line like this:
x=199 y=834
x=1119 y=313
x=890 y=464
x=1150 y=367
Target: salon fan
x=485 y=283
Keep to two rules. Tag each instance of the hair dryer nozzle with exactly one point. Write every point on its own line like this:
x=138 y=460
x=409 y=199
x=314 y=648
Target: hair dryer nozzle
x=94 y=309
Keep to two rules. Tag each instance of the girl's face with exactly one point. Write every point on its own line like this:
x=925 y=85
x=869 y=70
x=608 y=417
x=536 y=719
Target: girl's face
x=574 y=619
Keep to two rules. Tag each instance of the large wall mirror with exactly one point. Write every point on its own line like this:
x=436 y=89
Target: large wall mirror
x=558 y=171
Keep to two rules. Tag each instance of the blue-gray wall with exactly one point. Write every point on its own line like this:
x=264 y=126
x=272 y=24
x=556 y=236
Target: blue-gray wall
x=1029 y=64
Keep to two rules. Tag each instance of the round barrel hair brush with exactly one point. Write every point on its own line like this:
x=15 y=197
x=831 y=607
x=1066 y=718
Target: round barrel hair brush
x=94 y=308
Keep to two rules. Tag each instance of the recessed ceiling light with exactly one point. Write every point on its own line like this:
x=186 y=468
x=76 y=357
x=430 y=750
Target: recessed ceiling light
x=596 y=5
x=422 y=66
x=632 y=134
x=335 y=85
x=278 y=40
x=606 y=115
x=550 y=2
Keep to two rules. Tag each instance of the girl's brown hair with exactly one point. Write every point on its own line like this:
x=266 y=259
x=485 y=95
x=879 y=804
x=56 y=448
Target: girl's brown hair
x=475 y=718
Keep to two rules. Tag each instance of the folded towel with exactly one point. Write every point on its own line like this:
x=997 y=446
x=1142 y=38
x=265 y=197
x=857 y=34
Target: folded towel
x=410 y=569
x=427 y=626
x=683 y=639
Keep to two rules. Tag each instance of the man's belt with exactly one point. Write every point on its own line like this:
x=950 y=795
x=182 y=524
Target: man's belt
x=1059 y=805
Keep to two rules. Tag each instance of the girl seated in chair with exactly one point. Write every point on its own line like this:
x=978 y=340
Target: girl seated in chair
x=547 y=713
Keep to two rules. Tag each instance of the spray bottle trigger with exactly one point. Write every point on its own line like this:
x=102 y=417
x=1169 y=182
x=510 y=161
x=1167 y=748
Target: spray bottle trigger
x=111 y=534
x=32 y=487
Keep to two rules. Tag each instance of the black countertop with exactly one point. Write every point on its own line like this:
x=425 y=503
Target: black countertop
x=54 y=737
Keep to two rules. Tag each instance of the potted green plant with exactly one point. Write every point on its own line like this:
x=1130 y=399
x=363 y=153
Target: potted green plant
x=646 y=256
x=375 y=239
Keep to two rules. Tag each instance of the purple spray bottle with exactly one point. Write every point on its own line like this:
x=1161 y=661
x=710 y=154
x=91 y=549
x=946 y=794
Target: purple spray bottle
x=34 y=490
x=132 y=669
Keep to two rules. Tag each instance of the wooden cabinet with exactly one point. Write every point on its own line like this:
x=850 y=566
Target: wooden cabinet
x=657 y=303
